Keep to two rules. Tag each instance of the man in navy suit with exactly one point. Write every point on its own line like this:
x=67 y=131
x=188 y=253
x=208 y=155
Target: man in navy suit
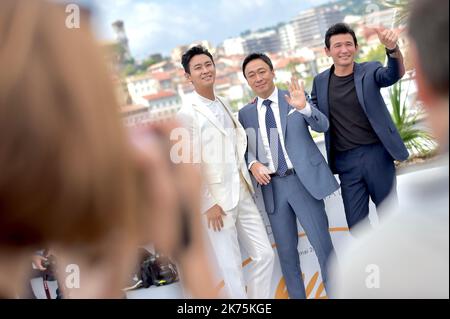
x=286 y=163
x=362 y=142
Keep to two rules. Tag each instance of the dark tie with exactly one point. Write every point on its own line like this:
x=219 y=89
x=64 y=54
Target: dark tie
x=278 y=158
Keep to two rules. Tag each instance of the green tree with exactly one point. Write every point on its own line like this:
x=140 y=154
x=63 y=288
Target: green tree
x=282 y=86
x=146 y=63
x=308 y=83
x=129 y=69
x=248 y=97
x=416 y=140
x=292 y=67
x=376 y=54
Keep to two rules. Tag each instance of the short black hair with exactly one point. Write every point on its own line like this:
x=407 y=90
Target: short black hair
x=339 y=28
x=428 y=28
x=255 y=56
x=189 y=54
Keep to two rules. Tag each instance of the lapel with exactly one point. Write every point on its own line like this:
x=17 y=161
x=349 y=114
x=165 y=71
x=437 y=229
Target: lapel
x=209 y=115
x=254 y=123
x=241 y=138
x=230 y=114
x=284 y=110
x=359 y=75
x=324 y=93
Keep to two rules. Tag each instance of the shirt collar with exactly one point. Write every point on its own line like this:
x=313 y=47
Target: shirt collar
x=273 y=97
x=203 y=100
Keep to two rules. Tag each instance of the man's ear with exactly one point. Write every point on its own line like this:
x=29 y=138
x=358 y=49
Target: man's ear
x=187 y=76
x=327 y=52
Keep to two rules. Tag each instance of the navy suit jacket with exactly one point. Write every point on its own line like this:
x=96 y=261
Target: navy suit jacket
x=309 y=164
x=369 y=78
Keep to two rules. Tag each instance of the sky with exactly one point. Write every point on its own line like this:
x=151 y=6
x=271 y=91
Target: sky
x=158 y=26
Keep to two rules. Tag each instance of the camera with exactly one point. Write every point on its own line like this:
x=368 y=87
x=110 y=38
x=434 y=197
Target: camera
x=50 y=268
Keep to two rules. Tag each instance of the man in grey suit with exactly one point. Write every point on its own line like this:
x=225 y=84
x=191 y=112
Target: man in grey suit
x=286 y=163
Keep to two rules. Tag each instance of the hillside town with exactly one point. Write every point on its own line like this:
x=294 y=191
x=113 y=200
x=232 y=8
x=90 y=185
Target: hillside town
x=155 y=89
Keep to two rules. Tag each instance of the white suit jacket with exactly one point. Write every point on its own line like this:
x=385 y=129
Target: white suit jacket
x=213 y=147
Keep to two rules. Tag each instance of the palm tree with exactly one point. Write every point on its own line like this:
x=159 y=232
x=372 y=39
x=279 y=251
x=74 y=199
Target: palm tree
x=402 y=7
x=418 y=141
x=408 y=117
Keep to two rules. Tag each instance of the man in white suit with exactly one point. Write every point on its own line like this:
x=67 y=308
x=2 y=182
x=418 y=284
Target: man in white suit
x=219 y=143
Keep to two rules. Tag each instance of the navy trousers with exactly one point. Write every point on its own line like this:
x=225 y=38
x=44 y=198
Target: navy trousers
x=366 y=171
x=292 y=201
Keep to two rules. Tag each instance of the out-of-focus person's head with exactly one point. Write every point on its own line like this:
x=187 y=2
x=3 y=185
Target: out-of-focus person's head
x=199 y=67
x=66 y=177
x=260 y=74
x=428 y=29
x=70 y=178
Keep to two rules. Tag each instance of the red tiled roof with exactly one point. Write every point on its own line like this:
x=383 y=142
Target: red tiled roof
x=161 y=76
x=130 y=108
x=230 y=69
x=237 y=57
x=160 y=95
x=179 y=72
x=282 y=63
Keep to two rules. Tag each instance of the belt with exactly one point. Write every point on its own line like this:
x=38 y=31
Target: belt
x=290 y=171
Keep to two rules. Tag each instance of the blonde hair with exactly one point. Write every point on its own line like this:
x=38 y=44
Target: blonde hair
x=66 y=174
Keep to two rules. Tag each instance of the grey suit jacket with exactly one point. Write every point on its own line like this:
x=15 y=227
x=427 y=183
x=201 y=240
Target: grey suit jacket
x=309 y=164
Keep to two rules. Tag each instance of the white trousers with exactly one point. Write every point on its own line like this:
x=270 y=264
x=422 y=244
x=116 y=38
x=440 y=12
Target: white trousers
x=243 y=225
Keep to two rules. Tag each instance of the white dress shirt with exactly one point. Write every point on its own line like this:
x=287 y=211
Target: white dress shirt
x=219 y=112
x=218 y=109
x=262 y=127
